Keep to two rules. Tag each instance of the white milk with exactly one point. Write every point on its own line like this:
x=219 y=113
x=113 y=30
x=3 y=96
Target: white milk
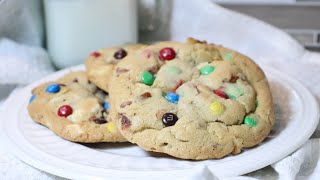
x=75 y=28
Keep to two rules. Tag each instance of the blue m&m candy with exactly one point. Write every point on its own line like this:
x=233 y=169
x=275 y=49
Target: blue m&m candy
x=172 y=97
x=32 y=98
x=53 y=88
x=106 y=105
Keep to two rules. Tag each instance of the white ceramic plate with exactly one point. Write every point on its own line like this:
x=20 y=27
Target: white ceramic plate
x=297 y=115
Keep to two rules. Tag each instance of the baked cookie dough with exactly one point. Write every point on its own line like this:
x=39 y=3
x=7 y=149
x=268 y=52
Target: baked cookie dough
x=74 y=109
x=99 y=64
x=191 y=100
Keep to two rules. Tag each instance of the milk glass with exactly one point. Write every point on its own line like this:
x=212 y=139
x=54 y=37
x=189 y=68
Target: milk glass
x=75 y=28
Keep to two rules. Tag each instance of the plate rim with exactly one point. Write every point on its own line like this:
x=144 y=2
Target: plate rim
x=22 y=155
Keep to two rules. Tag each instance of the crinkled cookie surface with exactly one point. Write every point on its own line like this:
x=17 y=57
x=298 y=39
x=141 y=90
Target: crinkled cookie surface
x=100 y=64
x=190 y=100
x=74 y=109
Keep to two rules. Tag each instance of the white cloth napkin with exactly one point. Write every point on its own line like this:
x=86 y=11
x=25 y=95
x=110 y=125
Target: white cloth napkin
x=21 y=21
x=204 y=20
x=19 y=65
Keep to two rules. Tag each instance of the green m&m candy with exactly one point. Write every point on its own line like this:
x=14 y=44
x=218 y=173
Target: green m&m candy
x=250 y=121
x=228 y=56
x=205 y=70
x=147 y=78
x=234 y=92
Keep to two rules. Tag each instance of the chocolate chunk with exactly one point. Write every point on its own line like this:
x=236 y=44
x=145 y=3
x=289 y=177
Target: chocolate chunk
x=121 y=70
x=75 y=80
x=124 y=104
x=233 y=79
x=121 y=53
x=154 y=69
x=145 y=95
x=62 y=84
x=100 y=120
x=125 y=122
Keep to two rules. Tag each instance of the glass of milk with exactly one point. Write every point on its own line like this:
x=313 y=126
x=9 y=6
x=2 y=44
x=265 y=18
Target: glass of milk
x=75 y=28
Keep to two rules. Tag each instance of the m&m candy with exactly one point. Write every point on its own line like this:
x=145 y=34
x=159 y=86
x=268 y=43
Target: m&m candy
x=228 y=56
x=65 y=111
x=217 y=108
x=169 y=119
x=167 y=54
x=220 y=94
x=32 y=98
x=250 y=121
x=205 y=70
x=234 y=92
x=106 y=106
x=95 y=54
x=120 y=54
x=147 y=78
x=172 y=97
x=53 y=88
x=111 y=127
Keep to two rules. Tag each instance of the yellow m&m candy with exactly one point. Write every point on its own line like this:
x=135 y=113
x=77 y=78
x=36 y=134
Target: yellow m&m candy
x=217 y=108
x=111 y=127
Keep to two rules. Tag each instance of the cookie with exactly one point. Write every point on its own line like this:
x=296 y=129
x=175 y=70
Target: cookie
x=74 y=109
x=100 y=64
x=191 y=100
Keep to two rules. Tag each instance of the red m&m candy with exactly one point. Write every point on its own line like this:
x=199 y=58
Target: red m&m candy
x=167 y=54
x=221 y=94
x=95 y=54
x=64 y=111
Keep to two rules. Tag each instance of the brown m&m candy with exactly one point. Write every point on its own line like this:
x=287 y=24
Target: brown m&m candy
x=120 y=54
x=169 y=119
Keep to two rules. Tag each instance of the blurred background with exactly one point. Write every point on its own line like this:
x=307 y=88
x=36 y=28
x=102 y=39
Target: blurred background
x=297 y=17
x=69 y=30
